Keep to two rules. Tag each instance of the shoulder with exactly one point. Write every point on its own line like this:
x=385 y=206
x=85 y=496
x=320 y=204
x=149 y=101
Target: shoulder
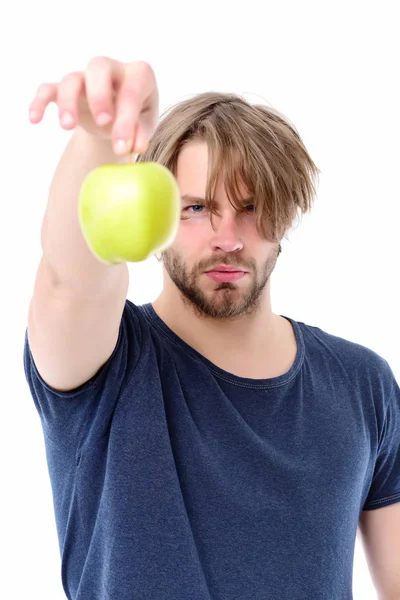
x=350 y=355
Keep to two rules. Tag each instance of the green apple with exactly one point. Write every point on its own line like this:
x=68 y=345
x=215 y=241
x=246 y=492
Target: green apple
x=129 y=211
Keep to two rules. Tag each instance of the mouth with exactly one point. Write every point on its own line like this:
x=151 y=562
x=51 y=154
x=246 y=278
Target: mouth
x=225 y=269
x=225 y=275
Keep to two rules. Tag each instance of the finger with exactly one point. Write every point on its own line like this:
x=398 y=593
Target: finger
x=69 y=91
x=46 y=93
x=100 y=76
x=134 y=94
x=148 y=121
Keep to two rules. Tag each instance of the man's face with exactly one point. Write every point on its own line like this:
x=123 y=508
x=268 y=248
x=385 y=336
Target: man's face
x=198 y=247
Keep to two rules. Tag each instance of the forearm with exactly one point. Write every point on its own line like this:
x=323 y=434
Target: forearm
x=69 y=262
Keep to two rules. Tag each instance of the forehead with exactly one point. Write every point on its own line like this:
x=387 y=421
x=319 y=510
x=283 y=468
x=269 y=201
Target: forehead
x=192 y=167
x=192 y=171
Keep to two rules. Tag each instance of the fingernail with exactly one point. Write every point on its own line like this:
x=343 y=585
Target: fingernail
x=121 y=147
x=141 y=145
x=67 y=119
x=104 y=119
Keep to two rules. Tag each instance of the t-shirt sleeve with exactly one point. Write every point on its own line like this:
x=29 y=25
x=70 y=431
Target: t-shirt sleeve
x=68 y=418
x=385 y=486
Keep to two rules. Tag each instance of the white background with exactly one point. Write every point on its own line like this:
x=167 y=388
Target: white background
x=331 y=67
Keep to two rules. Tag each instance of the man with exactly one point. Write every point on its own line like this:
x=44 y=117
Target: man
x=201 y=446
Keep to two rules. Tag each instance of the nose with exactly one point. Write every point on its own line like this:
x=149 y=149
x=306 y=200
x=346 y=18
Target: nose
x=226 y=233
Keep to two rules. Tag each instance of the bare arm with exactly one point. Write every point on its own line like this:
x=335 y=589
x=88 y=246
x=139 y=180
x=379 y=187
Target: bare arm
x=78 y=301
x=70 y=265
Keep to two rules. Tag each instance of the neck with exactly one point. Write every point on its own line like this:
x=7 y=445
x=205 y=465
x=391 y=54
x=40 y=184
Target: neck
x=252 y=335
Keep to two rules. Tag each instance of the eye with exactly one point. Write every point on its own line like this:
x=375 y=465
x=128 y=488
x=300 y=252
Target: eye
x=194 y=206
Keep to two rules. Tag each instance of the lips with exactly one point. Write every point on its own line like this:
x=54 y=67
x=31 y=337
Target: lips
x=225 y=276
x=222 y=269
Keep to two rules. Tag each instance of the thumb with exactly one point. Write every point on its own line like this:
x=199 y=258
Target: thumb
x=147 y=125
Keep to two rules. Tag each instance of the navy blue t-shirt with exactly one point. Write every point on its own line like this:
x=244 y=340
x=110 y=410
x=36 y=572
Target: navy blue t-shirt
x=173 y=479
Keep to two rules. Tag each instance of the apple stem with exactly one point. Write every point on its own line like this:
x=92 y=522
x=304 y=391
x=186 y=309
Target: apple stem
x=133 y=157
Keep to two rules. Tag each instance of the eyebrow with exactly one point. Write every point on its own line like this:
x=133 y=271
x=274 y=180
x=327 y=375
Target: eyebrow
x=186 y=198
x=189 y=198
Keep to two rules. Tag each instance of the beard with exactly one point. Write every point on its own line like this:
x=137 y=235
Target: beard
x=226 y=300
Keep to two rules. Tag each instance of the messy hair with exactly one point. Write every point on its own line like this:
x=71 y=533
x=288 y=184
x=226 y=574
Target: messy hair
x=253 y=144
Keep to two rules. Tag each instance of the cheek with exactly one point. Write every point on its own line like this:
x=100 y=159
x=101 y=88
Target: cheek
x=192 y=235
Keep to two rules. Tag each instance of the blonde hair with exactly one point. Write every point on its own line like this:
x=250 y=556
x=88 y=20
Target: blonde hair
x=253 y=144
